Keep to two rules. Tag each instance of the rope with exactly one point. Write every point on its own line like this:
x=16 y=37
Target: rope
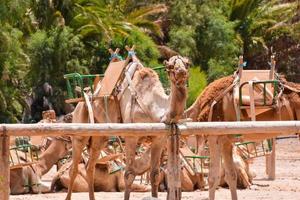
x=131 y=53
x=115 y=55
x=244 y=64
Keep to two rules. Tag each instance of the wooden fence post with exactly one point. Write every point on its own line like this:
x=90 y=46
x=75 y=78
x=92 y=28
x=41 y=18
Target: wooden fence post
x=271 y=162
x=174 y=167
x=4 y=166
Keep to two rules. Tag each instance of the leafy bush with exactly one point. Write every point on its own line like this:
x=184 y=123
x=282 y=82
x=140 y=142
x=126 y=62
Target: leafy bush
x=13 y=68
x=217 y=44
x=54 y=53
x=218 y=69
x=145 y=49
x=197 y=82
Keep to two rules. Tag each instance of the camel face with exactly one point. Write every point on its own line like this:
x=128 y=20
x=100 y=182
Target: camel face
x=177 y=67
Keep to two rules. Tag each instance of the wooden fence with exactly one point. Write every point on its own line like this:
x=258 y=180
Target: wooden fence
x=137 y=130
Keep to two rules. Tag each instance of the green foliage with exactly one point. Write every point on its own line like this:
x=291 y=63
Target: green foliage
x=146 y=50
x=217 y=43
x=109 y=19
x=145 y=47
x=216 y=39
x=203 y=32
x=183 y=41
x=13 y=67
x=257 y=19
x=13 y=10
x=218 y=69
x=185 y=16
x=197 y=82
x=53 y=54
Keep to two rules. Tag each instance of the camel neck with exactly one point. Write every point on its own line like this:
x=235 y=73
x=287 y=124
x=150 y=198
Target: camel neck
x=177 y=102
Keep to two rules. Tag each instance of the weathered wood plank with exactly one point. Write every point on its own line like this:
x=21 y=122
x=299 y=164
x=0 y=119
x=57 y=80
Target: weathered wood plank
x=154 y=129
x=4 y=167
x=271 y=162
x=174 y=166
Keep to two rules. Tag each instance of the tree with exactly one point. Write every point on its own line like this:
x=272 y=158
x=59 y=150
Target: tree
x=14 y=64
x=54 y=53
x=257 y=19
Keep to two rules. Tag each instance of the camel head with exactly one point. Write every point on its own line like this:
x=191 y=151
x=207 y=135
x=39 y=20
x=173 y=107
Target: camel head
x=177 y=68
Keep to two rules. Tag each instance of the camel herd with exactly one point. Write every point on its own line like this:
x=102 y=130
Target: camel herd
x=143 y=99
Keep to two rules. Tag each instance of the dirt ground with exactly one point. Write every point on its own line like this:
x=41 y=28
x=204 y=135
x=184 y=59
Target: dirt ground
x=286 y=186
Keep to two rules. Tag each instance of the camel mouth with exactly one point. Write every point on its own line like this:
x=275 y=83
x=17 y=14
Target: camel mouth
x=180 y=81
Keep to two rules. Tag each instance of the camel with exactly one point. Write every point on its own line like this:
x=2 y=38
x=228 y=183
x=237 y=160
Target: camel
x=162 y=108
x=244 y=175
x=224 y=111
x=57 y=148
x=25 y=180
x=104 y=181
x=30 y=181
x=189 y=182
x=143 y=101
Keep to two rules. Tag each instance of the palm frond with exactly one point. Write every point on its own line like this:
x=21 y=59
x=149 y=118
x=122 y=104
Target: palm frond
x=147 y=11
x=148 y=25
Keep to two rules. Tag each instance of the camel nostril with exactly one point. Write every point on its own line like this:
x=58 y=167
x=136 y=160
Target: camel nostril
x=181 y=72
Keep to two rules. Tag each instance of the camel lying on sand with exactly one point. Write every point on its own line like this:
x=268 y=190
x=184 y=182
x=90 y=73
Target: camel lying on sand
x=224 y=111
x=30 y=181
x=24 y=178
x=241 y=166
x=104 y=181
x=144 y=101
x=244 y=175
x=189 y=182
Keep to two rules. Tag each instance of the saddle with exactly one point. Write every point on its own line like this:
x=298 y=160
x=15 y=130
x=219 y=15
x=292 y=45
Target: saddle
x=256 y=91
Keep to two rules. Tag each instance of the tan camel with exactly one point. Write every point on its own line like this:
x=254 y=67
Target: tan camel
x=25 y=180
x=30 y=181
x=244 y=175
x=104 y=181
x=189 y=182
x=23 y=177
x=159 y=105
x=224 y=111
x=53 y=148
x=143 y=101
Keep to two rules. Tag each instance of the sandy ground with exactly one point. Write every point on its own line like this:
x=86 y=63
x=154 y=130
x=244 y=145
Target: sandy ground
x=286 y=186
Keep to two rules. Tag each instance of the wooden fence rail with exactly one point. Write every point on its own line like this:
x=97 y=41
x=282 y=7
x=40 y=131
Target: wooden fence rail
x=151 y=129
x=138 y=130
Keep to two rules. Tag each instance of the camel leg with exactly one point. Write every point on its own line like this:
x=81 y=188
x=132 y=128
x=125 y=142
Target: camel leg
x=97 y=143
x=215 y=165
x=130 y=146
x=230 y=172
x=78 y=146
x=157 y=146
